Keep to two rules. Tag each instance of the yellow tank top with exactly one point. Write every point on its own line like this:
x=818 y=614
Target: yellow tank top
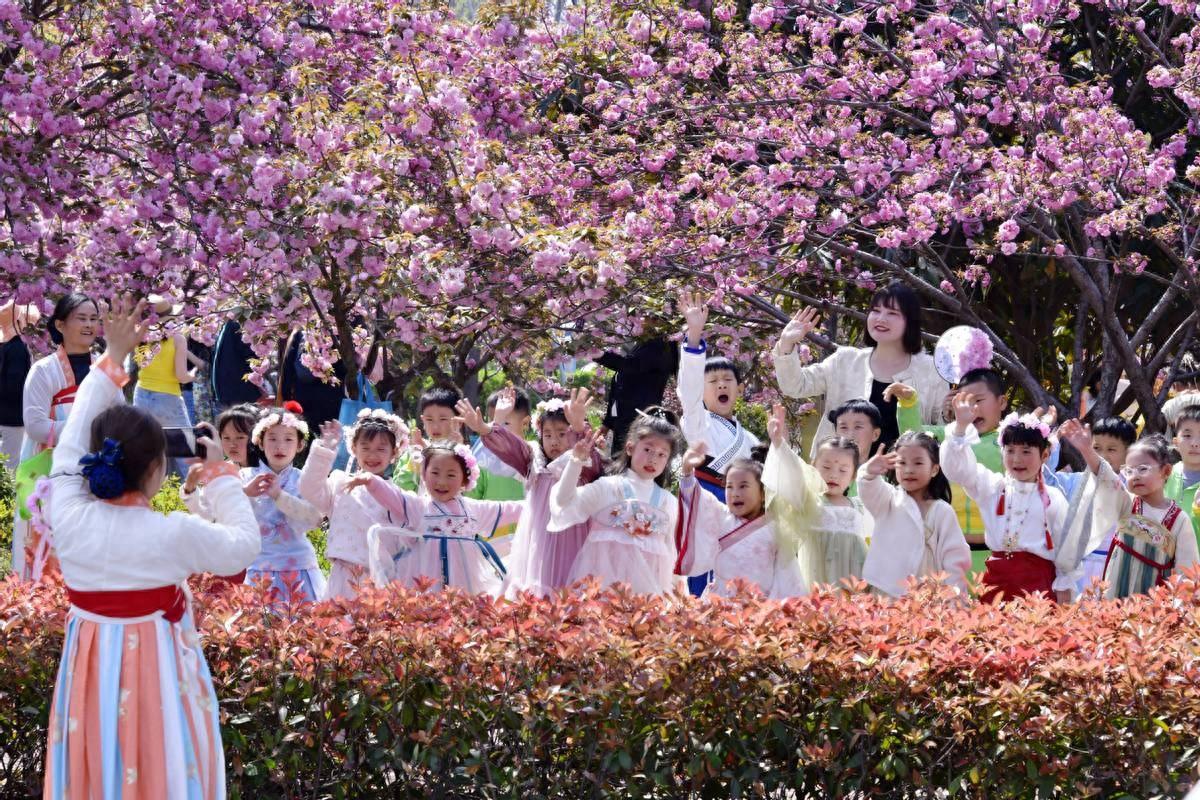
x=159 y=374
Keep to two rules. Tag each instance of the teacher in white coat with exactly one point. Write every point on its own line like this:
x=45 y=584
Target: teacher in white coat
x=893 y=355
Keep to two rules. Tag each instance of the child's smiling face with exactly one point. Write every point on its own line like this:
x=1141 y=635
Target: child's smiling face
x=721 y=391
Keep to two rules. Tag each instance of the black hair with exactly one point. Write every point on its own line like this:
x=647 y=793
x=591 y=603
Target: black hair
x=558 y=415
x=988 y=377
x=939 y=486
x=900 y=297
x=722 y=364
x=1018 y=434
x=444 y=448
x=1116 y=427
x=444 y=396
x=843 y=443
x=859 y=406
x=143 y=443
x=521 y=406
x=368 y=428
x=1156 y=445
x=62 y=309
x=653 y=421
x=243 y=417
x=758 y=456
x=1188 y=414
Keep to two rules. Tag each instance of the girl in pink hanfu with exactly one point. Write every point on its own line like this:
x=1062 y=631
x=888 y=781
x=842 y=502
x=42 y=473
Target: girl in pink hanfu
x=631 y=517
x=134 y=713
x=540 y=561
x=752 y=536
x=375 y=440
x=288 y=562
x=439 y=534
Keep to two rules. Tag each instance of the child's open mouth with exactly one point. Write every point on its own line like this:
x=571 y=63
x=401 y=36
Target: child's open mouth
x=723 y=398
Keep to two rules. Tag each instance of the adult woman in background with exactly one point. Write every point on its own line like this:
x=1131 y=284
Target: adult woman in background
x=893 y=355
x=159 y=386
x=46 y=402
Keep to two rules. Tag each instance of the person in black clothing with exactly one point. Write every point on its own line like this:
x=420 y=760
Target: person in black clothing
x=14 y=366
x=228 y=369
x=321 y=401
x=642 y=373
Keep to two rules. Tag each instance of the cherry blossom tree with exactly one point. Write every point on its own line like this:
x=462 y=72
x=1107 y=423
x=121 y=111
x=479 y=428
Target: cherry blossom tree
x=537 y=182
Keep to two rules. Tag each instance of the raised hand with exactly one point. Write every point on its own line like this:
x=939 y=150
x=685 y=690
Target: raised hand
x=966 y=411
x=471 y=416
x=582 y=451
x=693 y=459
x=802 y=324
x=417 y=439
x=901 y=392
x=693 y=307
x=331 y=434
x=576 y=409
x=506 y=404
x=882 y=463
x=1076 y=434
x=125 y=327
x=777 y=428
x=258 y=485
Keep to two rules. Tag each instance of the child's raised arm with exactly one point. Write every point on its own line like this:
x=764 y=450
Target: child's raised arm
x=876 y=493
x=314 y=478
x=689 y=383
x=407 y=507
x=957 y=457
x=571 y=504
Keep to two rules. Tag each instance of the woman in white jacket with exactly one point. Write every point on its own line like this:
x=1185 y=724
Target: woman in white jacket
x=894 y=353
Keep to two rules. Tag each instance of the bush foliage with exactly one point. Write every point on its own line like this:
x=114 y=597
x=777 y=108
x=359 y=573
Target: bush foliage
x=602 y=694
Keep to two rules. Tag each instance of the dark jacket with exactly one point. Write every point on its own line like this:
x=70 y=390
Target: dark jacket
x=642 y=373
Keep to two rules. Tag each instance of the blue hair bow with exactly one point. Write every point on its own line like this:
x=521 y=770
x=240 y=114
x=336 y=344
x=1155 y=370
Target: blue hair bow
x=103 y=470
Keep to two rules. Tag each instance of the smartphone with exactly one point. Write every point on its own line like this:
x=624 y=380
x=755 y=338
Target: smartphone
x=181 y=442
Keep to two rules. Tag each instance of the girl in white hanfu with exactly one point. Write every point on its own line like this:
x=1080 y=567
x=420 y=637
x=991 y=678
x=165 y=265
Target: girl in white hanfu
x=438 y=535
x=134 y=713
x=916 y=529
x=752 y=536
x=375 y=440
x=630 y=514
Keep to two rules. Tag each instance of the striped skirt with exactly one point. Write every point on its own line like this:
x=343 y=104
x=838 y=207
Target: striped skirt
x=134 y=713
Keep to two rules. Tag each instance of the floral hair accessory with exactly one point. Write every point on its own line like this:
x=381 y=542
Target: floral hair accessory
x=1028 y=422
x=547 y=407
x=377 y=416
x=462 y=453
x=103 y=470
x=960 y=350
x=468 y=458
x=287 y=419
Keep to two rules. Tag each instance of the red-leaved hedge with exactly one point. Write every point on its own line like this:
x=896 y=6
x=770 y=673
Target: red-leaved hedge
x=601 y=694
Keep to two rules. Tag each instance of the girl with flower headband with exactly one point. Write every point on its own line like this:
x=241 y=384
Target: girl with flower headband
x=630 y=516
x=439 y=535
x=1151 y=535
x=540 y=561
x=375 y=440
x=288 y=562
x=1024 y=520
x=134 y=705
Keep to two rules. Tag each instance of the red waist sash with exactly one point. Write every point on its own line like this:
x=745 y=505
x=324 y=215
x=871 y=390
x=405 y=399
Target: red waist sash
x=129 y=603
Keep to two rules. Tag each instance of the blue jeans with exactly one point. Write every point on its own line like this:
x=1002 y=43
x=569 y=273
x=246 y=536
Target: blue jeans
x=170 y=411
x=189 y=402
